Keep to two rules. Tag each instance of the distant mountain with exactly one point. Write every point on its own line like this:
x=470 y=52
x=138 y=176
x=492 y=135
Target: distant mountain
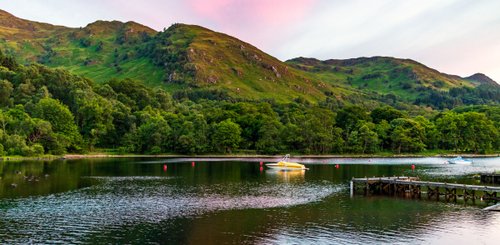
x=480 y=78
x=189 y=59
x=404 y=78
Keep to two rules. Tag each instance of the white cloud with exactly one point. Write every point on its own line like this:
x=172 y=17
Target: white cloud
x=454 y=36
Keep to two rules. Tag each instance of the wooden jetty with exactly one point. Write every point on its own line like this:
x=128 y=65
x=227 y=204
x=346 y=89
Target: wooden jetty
x=493 y=178
x=414 y=188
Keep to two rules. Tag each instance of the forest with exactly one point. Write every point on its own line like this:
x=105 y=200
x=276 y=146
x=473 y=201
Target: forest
x=51 y=111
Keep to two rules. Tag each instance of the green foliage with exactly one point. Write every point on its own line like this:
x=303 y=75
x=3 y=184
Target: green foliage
x=153 y=133
x=450 y=125
x=391 y=79
x=364 y=139
x=60 y=118
x=387 y=113
x=192 y=62
x=468 y=131
x=5 y=92
x=226 y=136
x=14 y=144
x=407 y=135
x=52 y=111
x=269 y=141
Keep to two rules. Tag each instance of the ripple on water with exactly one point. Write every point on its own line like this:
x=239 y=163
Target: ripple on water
x=69 y=217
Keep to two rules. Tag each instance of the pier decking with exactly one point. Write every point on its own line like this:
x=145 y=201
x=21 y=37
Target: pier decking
x=414 y=188
x=493 y=178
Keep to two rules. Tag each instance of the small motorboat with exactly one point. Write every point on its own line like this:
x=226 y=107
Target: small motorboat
x=459 y=160
x=285 y=165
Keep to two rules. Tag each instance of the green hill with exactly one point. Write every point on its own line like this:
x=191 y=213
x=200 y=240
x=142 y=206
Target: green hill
x=190 y=90
x=385 y=75
x=101 y=50
x=192 y=61
x=405 y=79
x=203 y=59
x=182 y=57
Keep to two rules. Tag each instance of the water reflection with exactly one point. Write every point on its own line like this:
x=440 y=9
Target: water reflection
x=286 y=176
x=131 y=201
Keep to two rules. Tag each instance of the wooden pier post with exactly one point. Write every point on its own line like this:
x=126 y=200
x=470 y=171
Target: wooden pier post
x=351 y=188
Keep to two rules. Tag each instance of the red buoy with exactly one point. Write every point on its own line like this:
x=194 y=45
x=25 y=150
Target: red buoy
x=164 y=167
x=413 y=167
x=261 y=169
x=192 y=164
x=261 y=163
x=337 y=166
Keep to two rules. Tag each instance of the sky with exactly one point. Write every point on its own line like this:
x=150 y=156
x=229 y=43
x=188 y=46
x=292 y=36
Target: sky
x=459 y=37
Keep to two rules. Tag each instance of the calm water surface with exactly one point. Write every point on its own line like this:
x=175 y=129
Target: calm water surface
x=173 y=201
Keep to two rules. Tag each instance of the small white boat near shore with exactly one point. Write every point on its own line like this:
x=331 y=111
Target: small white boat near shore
x=459 y=160
x=285 y=165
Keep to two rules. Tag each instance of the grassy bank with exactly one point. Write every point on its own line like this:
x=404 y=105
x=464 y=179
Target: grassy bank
x=112 y=154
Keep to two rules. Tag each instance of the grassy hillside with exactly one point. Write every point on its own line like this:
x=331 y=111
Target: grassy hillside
x=401 y=78
x=204 y=59
x=101 y=50
x=405 y=78
x=192 y=61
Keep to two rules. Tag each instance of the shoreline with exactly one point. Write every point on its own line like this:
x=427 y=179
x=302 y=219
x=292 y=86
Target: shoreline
x=102 y=156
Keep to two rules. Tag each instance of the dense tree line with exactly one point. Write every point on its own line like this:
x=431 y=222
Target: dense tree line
x=482 y=94
x=47 y=111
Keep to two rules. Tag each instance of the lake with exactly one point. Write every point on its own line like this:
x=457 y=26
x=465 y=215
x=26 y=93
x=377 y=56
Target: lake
x=233 y=201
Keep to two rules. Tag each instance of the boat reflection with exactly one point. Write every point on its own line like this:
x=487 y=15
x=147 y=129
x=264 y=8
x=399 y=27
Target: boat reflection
x=286 y=176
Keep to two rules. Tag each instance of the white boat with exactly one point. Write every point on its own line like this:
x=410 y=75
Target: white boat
x=459 y=160
x=285 y=165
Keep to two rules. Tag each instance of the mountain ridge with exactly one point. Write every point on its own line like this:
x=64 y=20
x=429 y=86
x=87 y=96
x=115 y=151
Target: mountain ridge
x=190 y=59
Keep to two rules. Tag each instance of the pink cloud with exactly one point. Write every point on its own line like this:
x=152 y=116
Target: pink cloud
x=261 y=22
x=251 y=12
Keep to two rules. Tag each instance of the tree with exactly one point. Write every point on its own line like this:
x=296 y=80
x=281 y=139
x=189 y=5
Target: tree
x=383 y=130
x=363 y=139
x=269 y=141
x=480 y=134
x=24 y=92
x=407 y=135
x=153 y=133
x=450 y=126
x=430 y=131
x=4 y=120
x=61 y=122
x=368 y=138
x=226 y=136
x=41 y=129
x=387 y=113
x=14 y=144
x=348 y=117
x=94 y=117
x=292 y=138
x=18 y=121
x=6 y=89
x=58 y=115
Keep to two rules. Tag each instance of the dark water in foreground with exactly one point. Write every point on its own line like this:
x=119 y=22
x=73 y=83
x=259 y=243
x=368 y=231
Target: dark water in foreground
x=232 y=202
